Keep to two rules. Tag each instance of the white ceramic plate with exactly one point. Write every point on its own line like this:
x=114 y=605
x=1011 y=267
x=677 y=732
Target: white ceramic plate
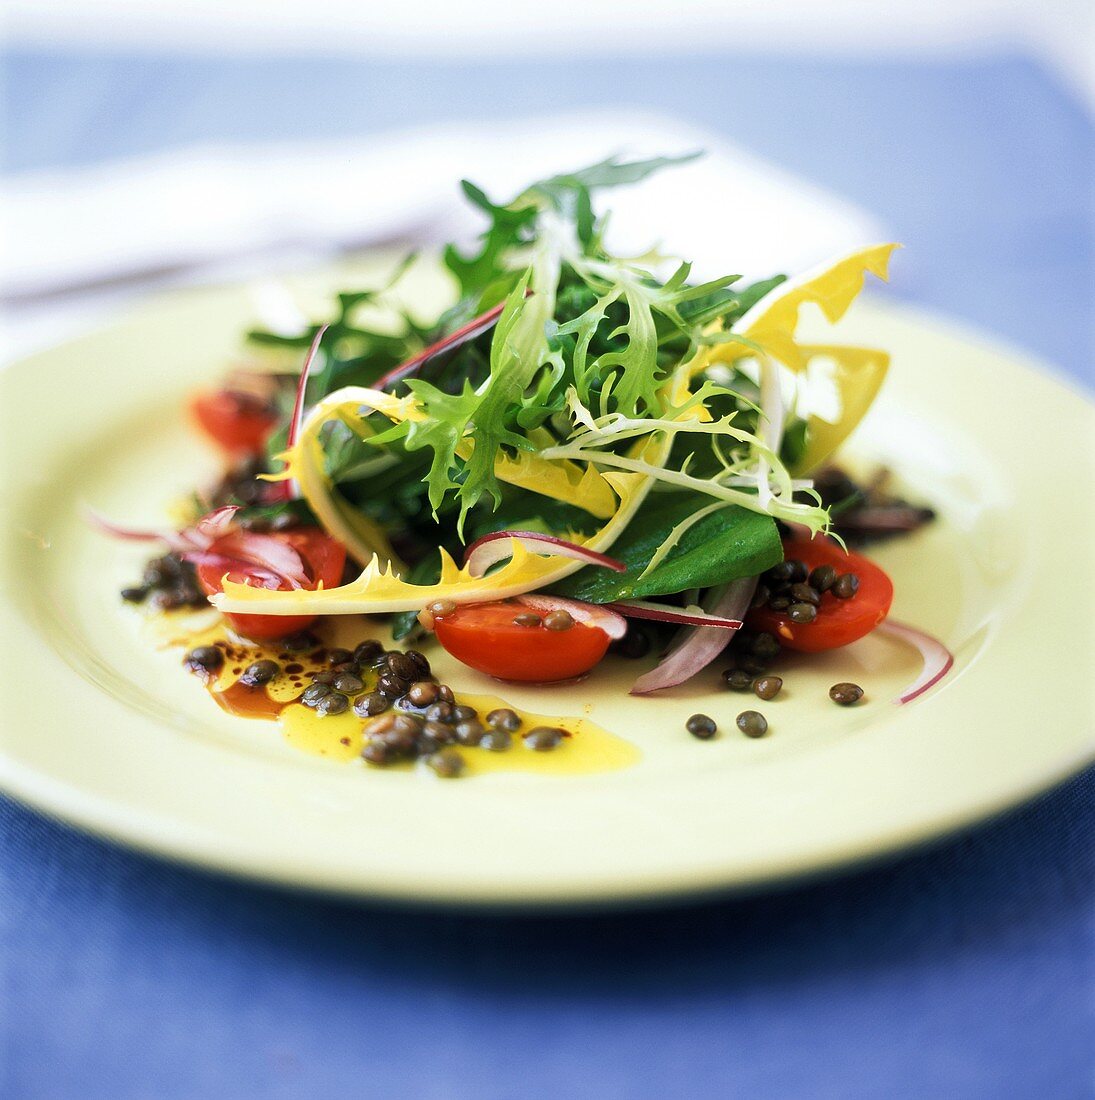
x=108 y=733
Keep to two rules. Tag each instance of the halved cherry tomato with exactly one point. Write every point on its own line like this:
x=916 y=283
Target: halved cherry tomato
x=838 y=622
x=485 y=637
x=239 y=423
x=324 y=560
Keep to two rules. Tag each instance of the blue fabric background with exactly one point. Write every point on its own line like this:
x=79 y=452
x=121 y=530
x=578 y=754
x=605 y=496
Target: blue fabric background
x=962 y=971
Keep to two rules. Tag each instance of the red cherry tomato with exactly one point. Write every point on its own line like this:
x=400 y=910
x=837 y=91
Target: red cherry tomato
x=239 y=423
x=324 y=560
x=484 y=636
x=838 y=622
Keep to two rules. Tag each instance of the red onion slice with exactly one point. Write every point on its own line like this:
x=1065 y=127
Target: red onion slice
x=938 y=660
x=667 y=613
x=495 y=547
x=246 y=570
x=589 y=614
x=199 y=536
x=288 y=489
x=475 y=327
x=700 y=645
x=218 y=522
x=268 y=553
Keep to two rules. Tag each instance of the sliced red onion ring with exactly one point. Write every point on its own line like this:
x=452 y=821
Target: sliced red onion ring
x=475 y=327
x=288 y=489
x=938 y=660
x=218 y=522
x=268 y=553
x=224 y=564
x=700 y=645
x=589 y=614
x=667 y=613
x=495 y=547
x=199 y=536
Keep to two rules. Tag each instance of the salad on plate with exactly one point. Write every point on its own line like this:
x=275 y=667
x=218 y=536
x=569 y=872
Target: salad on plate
x=584 y=454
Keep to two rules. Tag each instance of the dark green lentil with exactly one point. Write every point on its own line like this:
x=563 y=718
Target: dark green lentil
x=737 y=679
x=339 y=656
x=779 y=603
x=558 y=620
x=504 y=719
x=765 y=645
x=368 y=653
x=802 y=613
x=543 y=738
x=348 y=682
x=846 y=586
x=333 y=702
x=781 y=572
x=463 y=713
x=301 y=640
x=441 y=607
x=846 y=694
x=526 y=618
x=469 y=732
x=328 y=676
x=634 y=644
x=823 y=578
x=313 y=694
x=496 y=740
x=423 y=693
x=404 y=667
x=392 y=686
x=375 y=752
x=701 y=726
x=447 y=763
x=260 y=672
x=444 y=694
x=372 y=704
x=207 y=657
x=752 y=723
x=767 y=687
x=420 y=662
x=441 y=732
x=804 y=593
x=440 y=711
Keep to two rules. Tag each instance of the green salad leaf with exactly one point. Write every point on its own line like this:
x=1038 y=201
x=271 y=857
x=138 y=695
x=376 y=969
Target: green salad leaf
x=723 y=544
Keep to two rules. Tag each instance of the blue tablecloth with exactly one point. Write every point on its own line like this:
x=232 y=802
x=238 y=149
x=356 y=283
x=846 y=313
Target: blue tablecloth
x=962 y=971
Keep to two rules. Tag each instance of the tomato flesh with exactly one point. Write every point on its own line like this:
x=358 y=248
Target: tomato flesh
x=324 y=560
x=238 y=423
x=485 y=637
x=838 y=621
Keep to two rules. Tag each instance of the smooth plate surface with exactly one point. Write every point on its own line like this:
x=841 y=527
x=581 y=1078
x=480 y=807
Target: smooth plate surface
x=104 y=730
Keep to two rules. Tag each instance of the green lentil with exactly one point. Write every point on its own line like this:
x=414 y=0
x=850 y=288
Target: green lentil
x=446 y=763
x=752 y=723
x=845 y=694
x=737 y=679
x=543 y=738
x=846 y=586
x=701 y=726
x=768 y=687
x=260 y=672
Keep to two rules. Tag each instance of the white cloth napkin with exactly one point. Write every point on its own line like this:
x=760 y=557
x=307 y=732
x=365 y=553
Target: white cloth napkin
x=80 y=242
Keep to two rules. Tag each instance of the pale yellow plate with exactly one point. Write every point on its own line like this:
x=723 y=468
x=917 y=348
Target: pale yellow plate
x=107 y=732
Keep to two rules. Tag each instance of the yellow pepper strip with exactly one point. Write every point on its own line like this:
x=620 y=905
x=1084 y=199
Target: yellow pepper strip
x=773 y=322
